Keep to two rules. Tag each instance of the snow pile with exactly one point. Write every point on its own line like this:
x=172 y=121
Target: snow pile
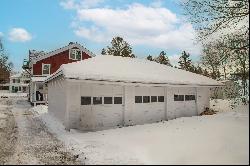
x=216 y=139
x=114 y=68
x=40 y=109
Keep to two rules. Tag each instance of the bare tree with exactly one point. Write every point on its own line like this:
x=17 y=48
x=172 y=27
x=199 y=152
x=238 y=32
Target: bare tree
x=211 y=16
x=211 y=60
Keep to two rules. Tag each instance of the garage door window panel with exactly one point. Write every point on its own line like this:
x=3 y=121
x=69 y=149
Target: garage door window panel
x=160 y=98
x=108 y=100
x=146 y=99
x=153 y=99
x=97 y=100
x=178 y=97
x=117 y=100
x=85 y=100
x=138 y=99
x=189 y=97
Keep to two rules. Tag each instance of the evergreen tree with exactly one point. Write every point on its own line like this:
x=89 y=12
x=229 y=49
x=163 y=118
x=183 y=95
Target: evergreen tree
x=150 y=58
x=119 y=47
x=206 y=73
x=103 y=52
x=5 y=64
x=185 y=62
x=163 y=59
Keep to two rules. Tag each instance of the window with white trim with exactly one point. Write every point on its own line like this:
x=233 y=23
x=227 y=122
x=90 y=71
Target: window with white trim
x=75 y=54
x=46 y=69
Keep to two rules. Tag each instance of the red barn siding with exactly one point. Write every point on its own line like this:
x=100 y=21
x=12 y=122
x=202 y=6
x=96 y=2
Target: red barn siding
x=56 y=61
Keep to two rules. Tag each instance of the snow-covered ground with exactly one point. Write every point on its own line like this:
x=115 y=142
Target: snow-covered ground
x=4 y=93
x=24 y=139
x=214 y=139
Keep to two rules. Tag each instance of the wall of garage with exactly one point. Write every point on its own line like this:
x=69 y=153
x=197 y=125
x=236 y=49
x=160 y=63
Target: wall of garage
x=134 y=107
x=57 y=99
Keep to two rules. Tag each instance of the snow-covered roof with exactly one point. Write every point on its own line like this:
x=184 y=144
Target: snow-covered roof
x=38 y=79
x=130 y=70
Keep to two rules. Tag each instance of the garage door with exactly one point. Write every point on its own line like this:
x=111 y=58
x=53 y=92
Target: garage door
x=106 y=108
x=181 y=102
x=150 y=105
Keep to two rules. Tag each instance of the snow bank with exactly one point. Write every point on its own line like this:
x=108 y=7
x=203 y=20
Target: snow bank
x=40 y=109
x=114 y=68
x=215 y=139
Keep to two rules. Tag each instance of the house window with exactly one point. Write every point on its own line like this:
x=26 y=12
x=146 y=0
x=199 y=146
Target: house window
x=153 y=99
x=18 y=80
x=117 y=100
x=19 y=88
x=85 y=100
x=160 y=98
x=108 y=100
x=14 y=81
x=178 y=97
x=46 y=69
x=75 y=54
x=189 y=97
x=138 y=99
x=146 y=99
x=97 y=100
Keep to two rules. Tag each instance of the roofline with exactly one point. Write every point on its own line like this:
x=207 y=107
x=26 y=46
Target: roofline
x=130 y=82
x=57 y=51
x=55 y=75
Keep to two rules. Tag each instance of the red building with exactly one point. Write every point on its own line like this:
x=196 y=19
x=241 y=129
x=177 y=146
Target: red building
x=41 y=64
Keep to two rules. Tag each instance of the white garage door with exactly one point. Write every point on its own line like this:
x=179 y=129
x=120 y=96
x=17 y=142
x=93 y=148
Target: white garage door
x=181 y=102
x=149 y=105
x=106 y=108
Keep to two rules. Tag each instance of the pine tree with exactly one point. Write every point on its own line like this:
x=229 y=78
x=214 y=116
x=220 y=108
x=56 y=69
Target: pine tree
x=4 y=59
x=103 y=52
x=119 y=47
x=206 y=73
x=150 y=58
x=163 y=59
x=185 y=62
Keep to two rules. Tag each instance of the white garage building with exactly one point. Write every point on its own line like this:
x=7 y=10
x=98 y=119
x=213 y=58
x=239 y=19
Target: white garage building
x=107 y=91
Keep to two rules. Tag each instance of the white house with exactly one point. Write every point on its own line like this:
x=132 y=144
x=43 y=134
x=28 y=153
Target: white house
x=107 y=91
x=19 y=82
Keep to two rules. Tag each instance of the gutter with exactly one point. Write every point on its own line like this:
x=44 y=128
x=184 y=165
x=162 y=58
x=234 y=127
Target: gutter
x=143 y=83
